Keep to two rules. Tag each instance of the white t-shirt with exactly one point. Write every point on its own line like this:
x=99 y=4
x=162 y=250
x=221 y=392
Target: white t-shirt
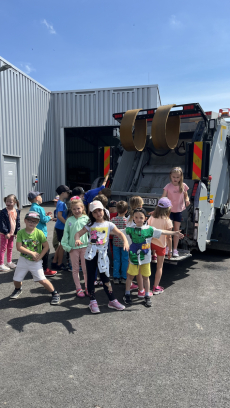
x=99 y=232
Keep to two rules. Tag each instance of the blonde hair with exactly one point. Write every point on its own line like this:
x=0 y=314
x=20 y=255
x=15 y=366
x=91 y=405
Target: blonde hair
x=15 y=200
x=178 y=170
x=134 y=202
x=162 y=212
x=75 y=202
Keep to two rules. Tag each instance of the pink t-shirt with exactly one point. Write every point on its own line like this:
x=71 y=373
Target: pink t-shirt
x=176 y=197
x=162 y=224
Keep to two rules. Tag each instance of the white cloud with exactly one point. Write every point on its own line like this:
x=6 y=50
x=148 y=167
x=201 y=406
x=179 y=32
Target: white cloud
x=49 y=26
x=174 y=22
x=27 y=67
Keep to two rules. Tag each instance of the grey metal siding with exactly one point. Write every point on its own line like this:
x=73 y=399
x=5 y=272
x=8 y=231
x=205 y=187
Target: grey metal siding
x=26 y=131
x=83 y=108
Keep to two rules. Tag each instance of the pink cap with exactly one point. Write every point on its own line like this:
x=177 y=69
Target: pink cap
x=164 y=202
x=94 y=205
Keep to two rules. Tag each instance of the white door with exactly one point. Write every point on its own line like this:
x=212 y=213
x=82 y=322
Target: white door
x=10 y=176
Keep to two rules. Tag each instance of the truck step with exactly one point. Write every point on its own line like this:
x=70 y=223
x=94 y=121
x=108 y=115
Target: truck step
x=183 y=254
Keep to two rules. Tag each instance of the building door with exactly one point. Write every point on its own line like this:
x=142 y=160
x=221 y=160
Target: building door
x=10 y=176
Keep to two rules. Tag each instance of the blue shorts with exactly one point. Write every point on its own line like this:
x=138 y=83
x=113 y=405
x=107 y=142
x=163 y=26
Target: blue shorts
x=176 y=216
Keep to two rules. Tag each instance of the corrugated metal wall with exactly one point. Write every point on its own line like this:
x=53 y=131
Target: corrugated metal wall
x=26 y=132
x=32 y=122
x=95 y=108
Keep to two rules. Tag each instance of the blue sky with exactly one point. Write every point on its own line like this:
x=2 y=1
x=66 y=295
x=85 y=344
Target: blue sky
x=77 y=44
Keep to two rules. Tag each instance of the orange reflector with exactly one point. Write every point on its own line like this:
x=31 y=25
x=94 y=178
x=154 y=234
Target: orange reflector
x=106 y=159
x=197 y=160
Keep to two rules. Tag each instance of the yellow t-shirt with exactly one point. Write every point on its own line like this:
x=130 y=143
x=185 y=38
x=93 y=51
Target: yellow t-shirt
x=162 y=224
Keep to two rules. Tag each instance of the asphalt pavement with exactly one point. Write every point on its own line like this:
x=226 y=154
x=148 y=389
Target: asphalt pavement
x=175 y=354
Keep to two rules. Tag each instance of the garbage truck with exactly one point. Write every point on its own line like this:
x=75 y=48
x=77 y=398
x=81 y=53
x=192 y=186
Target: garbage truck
x=157 y=139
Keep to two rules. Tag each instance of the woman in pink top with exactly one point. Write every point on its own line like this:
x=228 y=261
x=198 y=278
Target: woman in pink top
x=160 y=220
x=176 y=191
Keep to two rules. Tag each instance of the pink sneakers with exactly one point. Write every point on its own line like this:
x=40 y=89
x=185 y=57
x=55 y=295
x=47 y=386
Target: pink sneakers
x=48 y=272
x=133 y=286
x=157 y=290
x=80 y=293
x=141 y=295
x=154 y=259
x=94 y=306
x=114 y=304
x=175 y=253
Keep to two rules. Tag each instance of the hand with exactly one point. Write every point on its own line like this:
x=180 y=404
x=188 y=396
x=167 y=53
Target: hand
x=7 y=236
x=151 y=213
x=178 y=233
x=35 y=256
x=78 y=242
x=126 y=246
x=54 y=219
x=38 y=258
x=169 y=254
x=187 y=203
x=109 y=172
x=15 y=236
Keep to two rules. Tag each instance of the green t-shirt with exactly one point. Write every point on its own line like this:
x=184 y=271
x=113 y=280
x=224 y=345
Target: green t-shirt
x=33 y=241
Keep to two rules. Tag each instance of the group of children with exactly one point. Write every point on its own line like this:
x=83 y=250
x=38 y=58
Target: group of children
x=86 y=238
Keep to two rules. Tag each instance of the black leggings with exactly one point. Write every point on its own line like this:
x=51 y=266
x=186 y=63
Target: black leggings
x=91 y=267
x=45 y=260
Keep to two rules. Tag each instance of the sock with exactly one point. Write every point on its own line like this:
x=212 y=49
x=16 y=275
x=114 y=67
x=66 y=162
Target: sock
x=54 y=292
x=142 y=290
x=18 y=288
x=127 y=292
x=147 y=294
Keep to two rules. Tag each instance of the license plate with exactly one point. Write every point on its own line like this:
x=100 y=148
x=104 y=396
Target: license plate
x=150 y=201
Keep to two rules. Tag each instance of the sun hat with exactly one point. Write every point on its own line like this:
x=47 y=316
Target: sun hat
x=94 y=205
x=33 y=214
x=56 y=198
x=164 y=202
x=33 y=194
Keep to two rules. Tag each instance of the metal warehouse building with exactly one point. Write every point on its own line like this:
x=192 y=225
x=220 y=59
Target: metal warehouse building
x=57 y=136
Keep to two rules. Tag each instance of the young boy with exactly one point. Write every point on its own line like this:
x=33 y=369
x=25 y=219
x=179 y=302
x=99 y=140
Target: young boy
x=35 y=197
x=120 y=257
x=33 y=245
x=61 y=210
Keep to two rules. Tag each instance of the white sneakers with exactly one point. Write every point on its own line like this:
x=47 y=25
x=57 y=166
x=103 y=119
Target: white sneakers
x=7 y=267
x=4 y=268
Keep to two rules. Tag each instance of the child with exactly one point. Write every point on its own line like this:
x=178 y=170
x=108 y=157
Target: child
x=161 y=221
x=61 y=209
x=120 y=257
x=136 y=202
x=33 y=245
x=55 y=240
x=35 y=197
x=74 y=224
x=9 y=226
x=176 y=191
x=140 y=254
x=99 y=228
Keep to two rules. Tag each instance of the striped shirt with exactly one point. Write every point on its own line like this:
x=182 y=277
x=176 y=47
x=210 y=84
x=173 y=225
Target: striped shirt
x=120 y=223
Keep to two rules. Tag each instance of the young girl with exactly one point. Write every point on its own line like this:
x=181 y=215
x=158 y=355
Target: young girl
x=140 y=253
x=9 y=226
x=161 y=221
x=99 y=228
x=74 y=224
x=176 y=191
x=136 y=202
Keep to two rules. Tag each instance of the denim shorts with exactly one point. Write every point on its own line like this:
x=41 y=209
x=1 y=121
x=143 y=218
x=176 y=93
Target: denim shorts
x=176 y=216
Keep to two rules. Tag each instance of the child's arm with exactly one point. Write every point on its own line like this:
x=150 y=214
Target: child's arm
x=65 y=239
x=122 y=236
x=59 y=216
x=178 y=233
x=78 y=235
x=43 y=217
x=26 y=251
x=45 y=249
x=164 y=193
x=187 y=202
x=106 y=178
x=169 y=244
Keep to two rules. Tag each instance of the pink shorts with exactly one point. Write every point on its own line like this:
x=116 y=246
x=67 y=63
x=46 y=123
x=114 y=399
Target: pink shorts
x=159 y=250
